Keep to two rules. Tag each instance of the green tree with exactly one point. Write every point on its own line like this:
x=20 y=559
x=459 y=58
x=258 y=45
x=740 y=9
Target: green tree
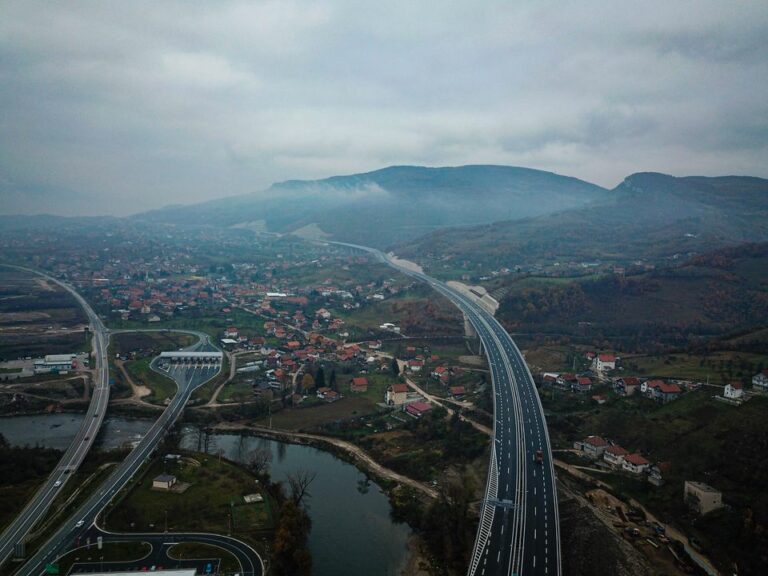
x=320 y=378
x=332 y=382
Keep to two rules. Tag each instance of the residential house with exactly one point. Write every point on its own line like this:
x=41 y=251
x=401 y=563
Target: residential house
x=660 y=390
x=635 y=464
x=230 y=332
x=760 y=380
x=457 y=392
x=418 y=409
x=359 y=384
x=566 y=380
x=396 y=394
x=664 y=392
x=615 y=455
x=582 y=384
x=626 y=386
x=594 y=446
x=734 y=391
x=702 y=497
x=438 y=372
x=331 y=396
x=603 y=362
x=549 y=378
x=415 y=365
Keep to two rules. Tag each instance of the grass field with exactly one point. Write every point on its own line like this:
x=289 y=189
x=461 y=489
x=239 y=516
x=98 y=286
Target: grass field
x=211 y=323
x=146 y=342
x=162 y=388
x=29 y=308
x=300 y=418
x=236 y=391
x=216 y=490
x=719 y=367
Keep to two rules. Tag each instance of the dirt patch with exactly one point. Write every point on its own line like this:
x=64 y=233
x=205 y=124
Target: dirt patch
x=43 y=283
x=473 y=360
x=138 y=391
x=589 y=547
x=13 y=317
x=407 y=264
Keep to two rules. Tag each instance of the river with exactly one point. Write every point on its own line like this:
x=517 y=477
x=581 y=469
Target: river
x=352 y=532
x=58 y=430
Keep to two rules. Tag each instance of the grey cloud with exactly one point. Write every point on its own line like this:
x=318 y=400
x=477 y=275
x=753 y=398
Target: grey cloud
x=118 y=107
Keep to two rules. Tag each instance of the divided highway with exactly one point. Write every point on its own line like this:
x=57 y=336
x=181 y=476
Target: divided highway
x=36 y=509
x=519 y=531
x=188 y=378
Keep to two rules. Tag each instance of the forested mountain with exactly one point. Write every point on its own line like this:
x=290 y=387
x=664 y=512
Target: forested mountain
x=388 y=205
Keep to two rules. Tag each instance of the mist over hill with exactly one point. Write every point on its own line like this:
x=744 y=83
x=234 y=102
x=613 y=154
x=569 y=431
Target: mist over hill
x=392 y=204
x=649 y=215
x=485 y=217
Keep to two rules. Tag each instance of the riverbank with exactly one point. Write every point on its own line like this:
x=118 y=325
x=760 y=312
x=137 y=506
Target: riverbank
x=340 y=448
x=416 y=562
x=350 y=510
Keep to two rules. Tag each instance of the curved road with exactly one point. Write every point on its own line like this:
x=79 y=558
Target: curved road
x=249 y=560
x=519 y=531
x=36 y=509
x=188 y=378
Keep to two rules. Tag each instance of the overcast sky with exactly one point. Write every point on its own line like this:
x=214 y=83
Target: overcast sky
x=118 y=107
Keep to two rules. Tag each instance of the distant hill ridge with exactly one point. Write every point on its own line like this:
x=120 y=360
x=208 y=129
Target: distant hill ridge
x=648 y=215
x=442 y=207
x=394 y=203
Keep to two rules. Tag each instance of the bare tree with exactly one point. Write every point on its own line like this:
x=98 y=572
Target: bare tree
x=259 y=460
x=299 y=483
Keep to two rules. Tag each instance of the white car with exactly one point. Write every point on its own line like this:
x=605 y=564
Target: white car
x=57 y=483
x=79 y=523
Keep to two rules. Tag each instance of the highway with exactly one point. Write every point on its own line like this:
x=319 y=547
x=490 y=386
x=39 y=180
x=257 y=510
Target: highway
x=37 y=508
x=188 y=377
x=248 y=558
x=519 y=530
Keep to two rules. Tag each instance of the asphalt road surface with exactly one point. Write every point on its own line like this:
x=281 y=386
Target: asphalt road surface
x=188 y=377
x=37 y=508
x=159 y=556
x=519 y=531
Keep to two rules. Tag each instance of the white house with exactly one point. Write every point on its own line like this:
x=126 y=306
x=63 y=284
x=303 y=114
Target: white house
x=760 y=381
x=594 y=446
x=396 y=394
x=603 y=362
x=734 y=391
x=635 y=464
x=615 y=455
